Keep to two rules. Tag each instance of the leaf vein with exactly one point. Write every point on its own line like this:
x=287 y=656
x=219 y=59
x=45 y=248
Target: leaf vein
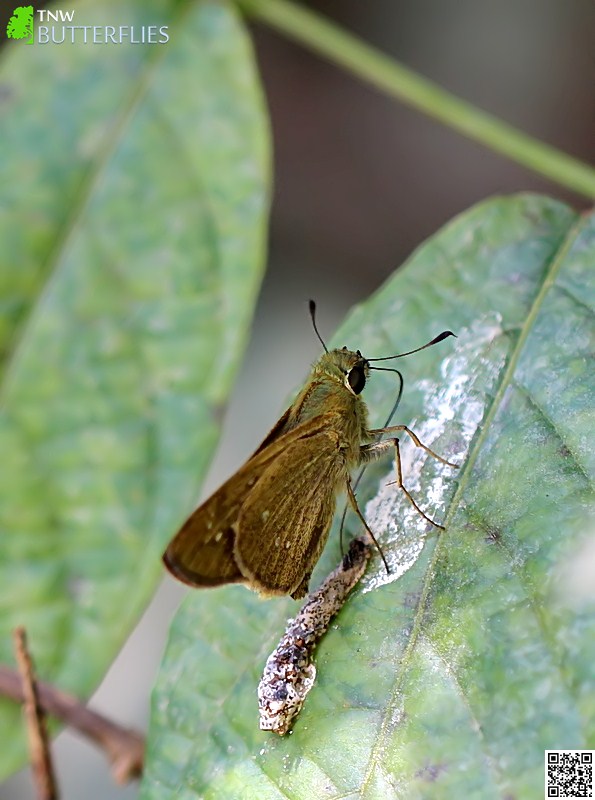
x=524 y=390
x=551 y=272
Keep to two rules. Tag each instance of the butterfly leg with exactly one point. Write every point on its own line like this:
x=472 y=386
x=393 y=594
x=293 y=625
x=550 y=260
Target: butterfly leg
x=416 y=441
x=354 y=505
x=376 y=449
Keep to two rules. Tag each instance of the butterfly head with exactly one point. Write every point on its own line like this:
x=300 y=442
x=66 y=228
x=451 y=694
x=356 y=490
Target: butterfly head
x=350 y=368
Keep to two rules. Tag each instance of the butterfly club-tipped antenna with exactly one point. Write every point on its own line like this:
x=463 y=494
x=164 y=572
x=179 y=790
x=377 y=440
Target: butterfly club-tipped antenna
x=440 y=338
x=312 y=308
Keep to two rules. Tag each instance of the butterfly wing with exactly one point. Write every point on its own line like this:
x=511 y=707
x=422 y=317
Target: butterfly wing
x=284 y=523
x=202 y=552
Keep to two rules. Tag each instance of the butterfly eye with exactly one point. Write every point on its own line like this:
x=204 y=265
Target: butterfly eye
x=357 y=379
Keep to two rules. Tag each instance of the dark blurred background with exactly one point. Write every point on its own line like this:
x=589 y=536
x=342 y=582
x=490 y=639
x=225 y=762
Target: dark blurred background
x=360 y=181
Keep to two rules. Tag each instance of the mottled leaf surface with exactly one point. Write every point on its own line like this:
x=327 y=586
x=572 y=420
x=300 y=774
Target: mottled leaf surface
x=451 y=680
x=134 y=194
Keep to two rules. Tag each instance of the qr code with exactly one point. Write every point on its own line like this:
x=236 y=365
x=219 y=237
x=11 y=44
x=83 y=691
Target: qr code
x=569 y=773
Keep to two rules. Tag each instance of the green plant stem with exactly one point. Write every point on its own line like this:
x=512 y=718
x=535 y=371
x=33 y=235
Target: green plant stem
x=369 y=64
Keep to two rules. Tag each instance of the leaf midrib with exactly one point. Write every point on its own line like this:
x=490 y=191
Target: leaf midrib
x=507 y=375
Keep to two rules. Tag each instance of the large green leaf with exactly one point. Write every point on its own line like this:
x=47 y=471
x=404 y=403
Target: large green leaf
x=451 y=680
x=134 y=192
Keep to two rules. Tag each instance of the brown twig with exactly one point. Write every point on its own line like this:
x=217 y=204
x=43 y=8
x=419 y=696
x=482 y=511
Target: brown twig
x=123 y=747
x=41 y=758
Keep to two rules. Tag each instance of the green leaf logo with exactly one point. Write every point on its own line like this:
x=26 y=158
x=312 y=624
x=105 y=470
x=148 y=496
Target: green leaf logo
x=20 y=25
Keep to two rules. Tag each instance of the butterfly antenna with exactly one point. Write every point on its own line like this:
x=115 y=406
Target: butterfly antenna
x=312 y=307
x=435 y=340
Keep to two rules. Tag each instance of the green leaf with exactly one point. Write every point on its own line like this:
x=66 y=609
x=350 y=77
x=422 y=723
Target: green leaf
x=451 y=680
x=135 y=181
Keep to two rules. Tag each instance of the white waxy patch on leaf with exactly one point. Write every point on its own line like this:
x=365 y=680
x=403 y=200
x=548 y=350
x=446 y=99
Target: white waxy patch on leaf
x=455 y=408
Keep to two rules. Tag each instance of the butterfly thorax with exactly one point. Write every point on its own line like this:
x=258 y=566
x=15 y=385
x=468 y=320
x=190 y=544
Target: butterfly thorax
x=333 y=389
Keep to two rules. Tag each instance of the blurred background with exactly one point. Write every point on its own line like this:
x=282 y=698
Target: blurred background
x=360 y=181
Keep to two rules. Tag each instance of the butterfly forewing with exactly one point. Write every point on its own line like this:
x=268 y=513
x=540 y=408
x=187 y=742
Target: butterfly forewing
x=296 y=492
x=202 y=552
